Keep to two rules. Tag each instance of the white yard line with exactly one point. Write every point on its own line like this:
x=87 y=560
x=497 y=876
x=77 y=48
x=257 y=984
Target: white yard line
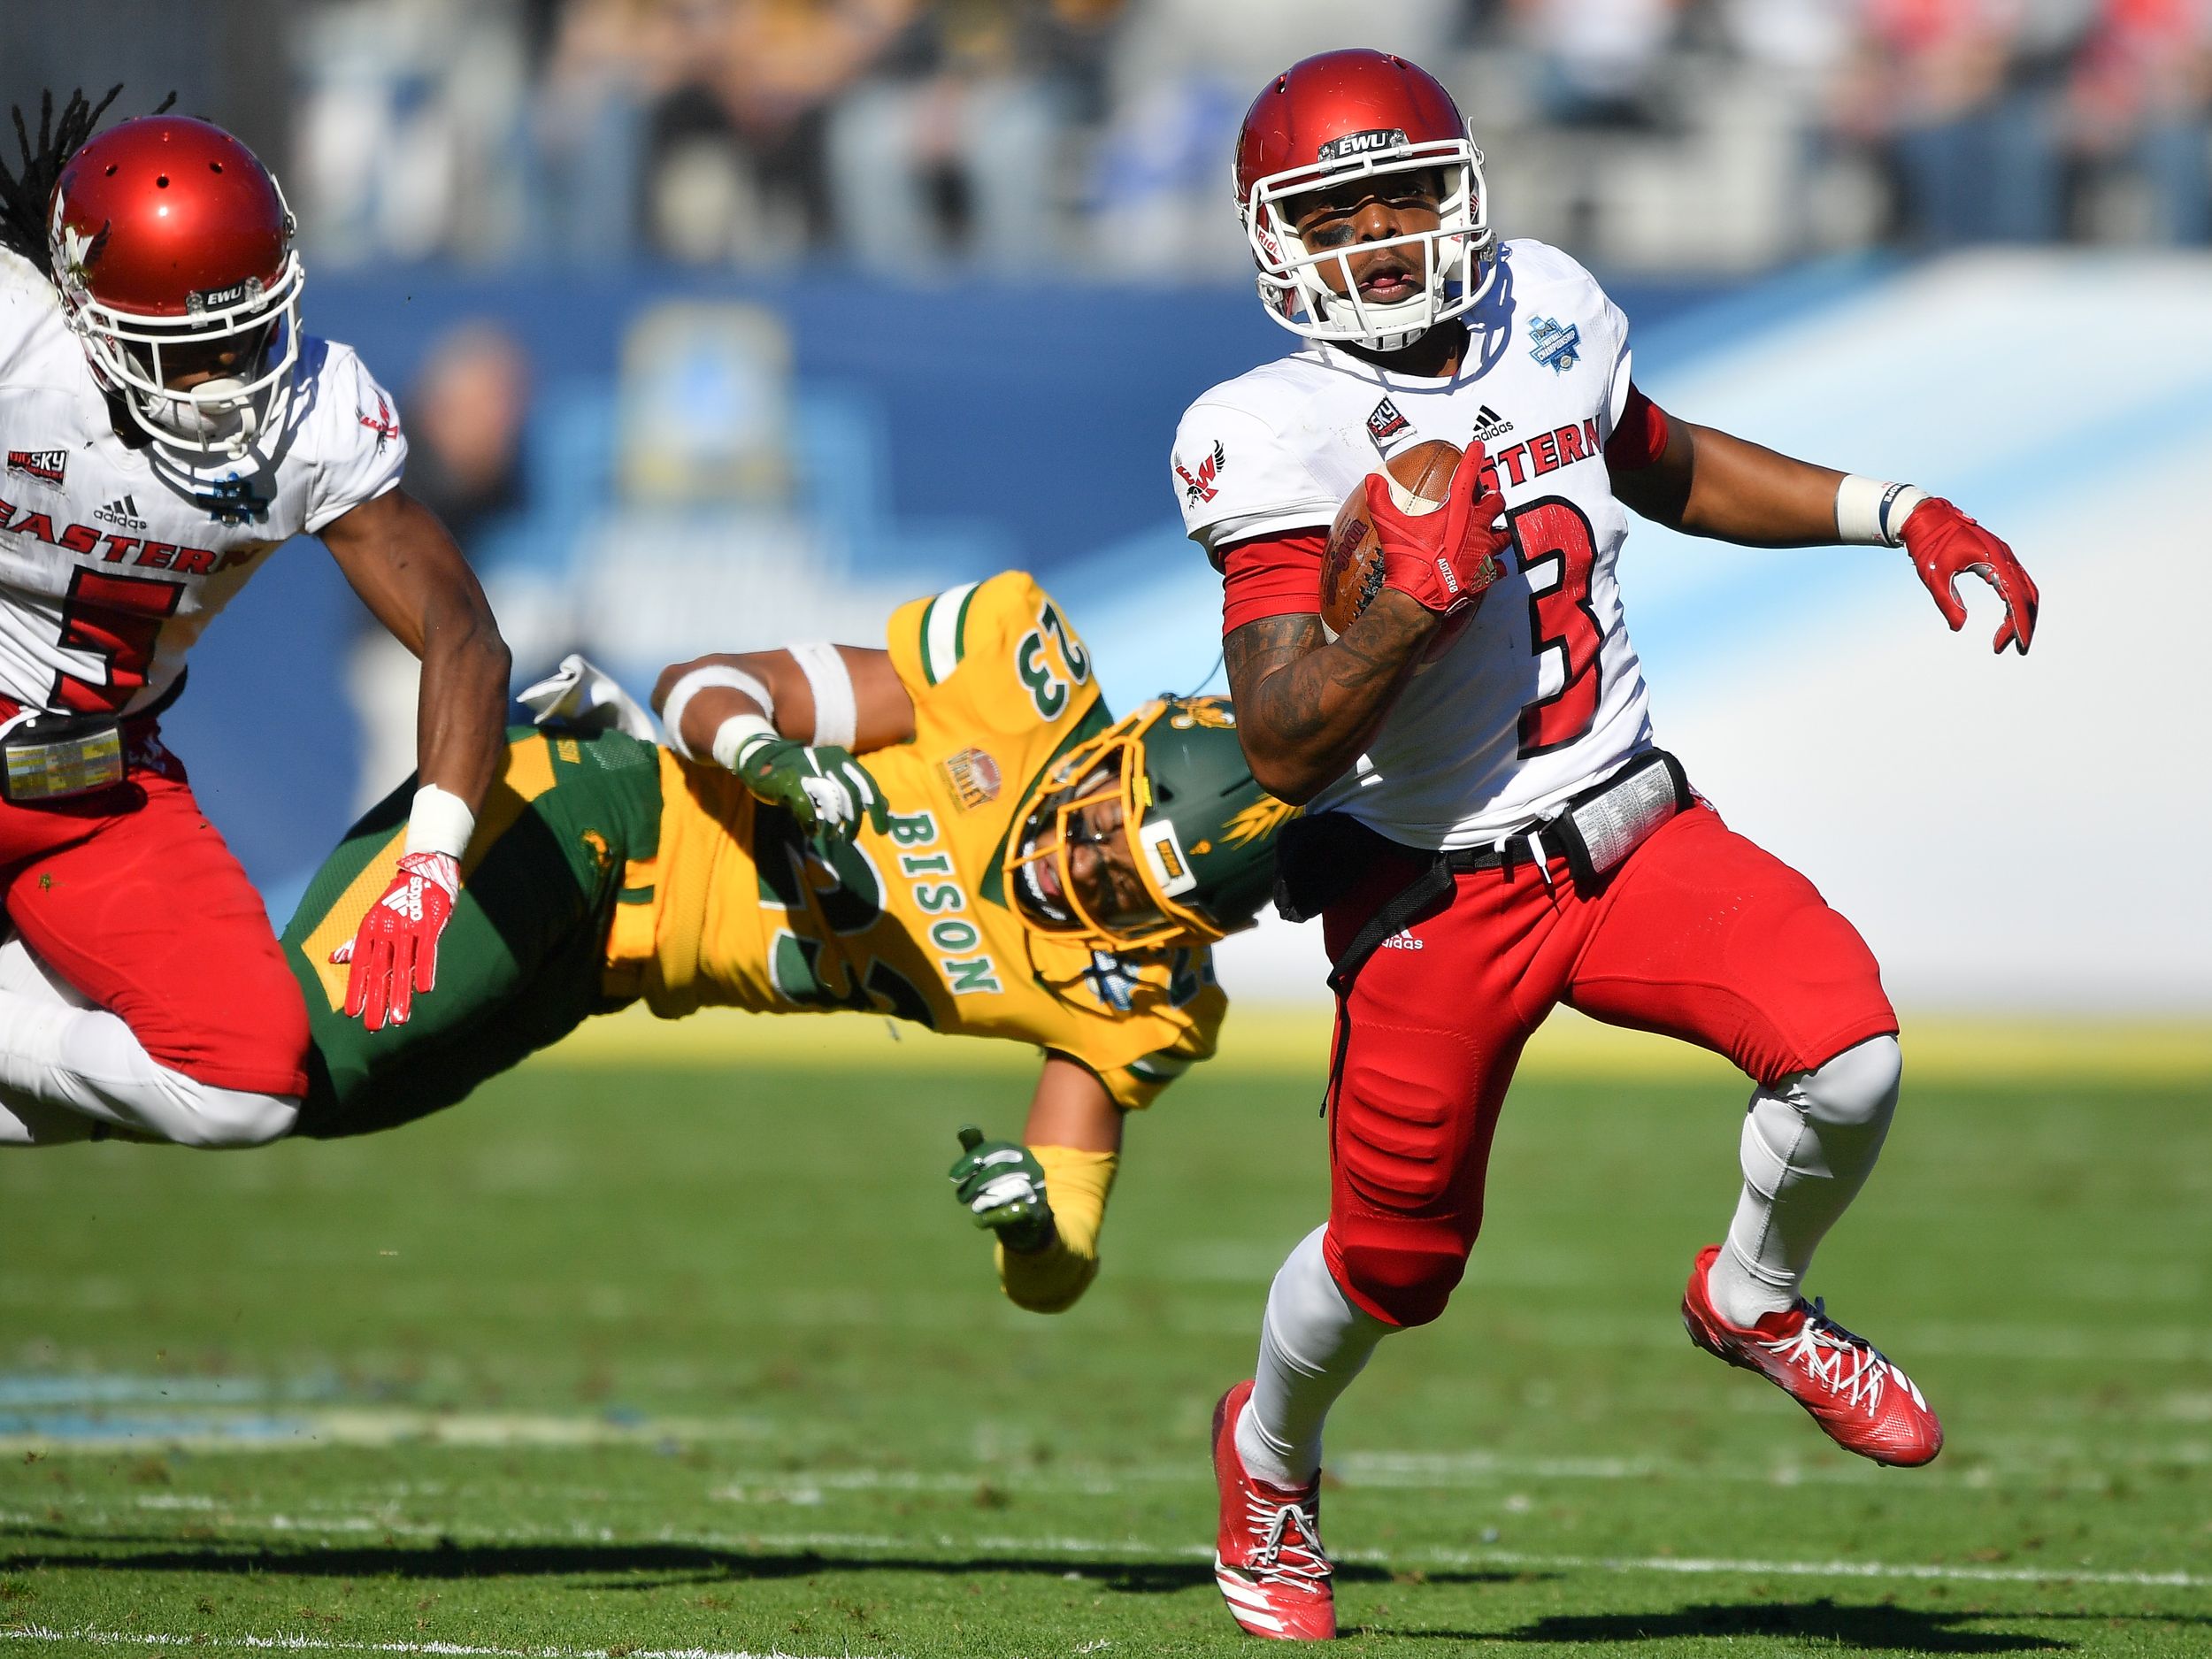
x=1802 y=1568
x=326 y=1644
x=1076 y=1547
x=1018 y=1545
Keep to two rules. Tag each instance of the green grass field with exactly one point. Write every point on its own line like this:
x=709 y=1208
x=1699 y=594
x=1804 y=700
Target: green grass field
x=627 y=1361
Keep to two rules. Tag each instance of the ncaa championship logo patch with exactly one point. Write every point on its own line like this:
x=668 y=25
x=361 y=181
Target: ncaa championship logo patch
x=1558 y=349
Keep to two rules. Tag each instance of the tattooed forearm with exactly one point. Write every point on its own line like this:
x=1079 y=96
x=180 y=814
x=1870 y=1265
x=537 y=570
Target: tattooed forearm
x=1305 y=709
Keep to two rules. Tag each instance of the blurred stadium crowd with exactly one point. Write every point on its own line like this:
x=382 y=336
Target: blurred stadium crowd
x=1010 y=135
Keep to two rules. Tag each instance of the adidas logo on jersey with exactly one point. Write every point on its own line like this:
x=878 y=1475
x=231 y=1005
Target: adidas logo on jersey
x=1489 y=423
x=122 y=512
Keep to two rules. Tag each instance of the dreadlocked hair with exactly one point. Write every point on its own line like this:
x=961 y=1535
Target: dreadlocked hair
x=25 y=192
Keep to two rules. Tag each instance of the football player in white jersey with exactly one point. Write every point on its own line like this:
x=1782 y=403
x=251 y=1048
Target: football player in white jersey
x=1483 y=790
x=166 y=426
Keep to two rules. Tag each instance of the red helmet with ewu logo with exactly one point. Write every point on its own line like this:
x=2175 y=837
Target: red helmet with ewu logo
x=173 y=249
x=1351 y=115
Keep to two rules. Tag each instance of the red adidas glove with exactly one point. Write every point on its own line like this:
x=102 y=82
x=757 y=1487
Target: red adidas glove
x=1443 y=560
x=394 y=955
x=1945 y=544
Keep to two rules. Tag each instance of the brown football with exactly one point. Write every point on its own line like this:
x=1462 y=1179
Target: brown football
x=1352 y=565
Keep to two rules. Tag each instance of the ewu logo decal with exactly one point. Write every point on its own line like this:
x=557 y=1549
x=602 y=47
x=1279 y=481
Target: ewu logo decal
x=1366 y=143
x=204 y=300
x=46 y=466
x=1200 y=486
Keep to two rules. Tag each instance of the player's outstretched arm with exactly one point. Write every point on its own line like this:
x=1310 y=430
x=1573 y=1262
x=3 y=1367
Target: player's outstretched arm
x=1044 y=1201
x=1704 y=482
x=845 y=695
x=408 y=572
x=786 y=724
x=410 y=575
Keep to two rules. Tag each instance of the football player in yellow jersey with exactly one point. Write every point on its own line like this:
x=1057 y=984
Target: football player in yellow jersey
x=1006 y=861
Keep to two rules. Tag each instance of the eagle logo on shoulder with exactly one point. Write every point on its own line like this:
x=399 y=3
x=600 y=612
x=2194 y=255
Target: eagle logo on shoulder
x=384 y=423
x=1200 y=486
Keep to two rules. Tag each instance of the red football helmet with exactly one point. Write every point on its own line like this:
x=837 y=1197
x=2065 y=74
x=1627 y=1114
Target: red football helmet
x=171 y=242
x=1353 y=115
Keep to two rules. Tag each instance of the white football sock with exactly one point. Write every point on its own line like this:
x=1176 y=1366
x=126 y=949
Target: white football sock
x=1808 y=1145
x=57 y=1053
x=1313 y=1341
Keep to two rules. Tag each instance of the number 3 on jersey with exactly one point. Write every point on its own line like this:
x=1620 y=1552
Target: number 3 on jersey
x=1047 y=690
x=116 y=619
x=1558 y=553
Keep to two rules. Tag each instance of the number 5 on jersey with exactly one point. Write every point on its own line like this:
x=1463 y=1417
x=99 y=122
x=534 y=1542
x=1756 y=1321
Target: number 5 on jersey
x=117 y=620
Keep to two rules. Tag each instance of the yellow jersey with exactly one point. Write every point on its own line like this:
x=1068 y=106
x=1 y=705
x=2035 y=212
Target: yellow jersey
x=916 y=921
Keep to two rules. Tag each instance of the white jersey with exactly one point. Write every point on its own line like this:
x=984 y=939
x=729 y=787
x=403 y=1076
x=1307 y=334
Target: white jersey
x=1541 y=693
x=113 y=558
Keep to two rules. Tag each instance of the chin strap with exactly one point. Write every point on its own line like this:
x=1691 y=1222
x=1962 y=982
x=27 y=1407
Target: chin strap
x=1400 y=342
x=167 y=414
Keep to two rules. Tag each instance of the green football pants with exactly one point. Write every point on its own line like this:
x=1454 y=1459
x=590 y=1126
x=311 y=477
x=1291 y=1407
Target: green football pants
x=519 y=964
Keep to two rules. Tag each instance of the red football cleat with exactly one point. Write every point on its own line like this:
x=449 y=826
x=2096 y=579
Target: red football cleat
x=1268 y=1558
x=1853 y=1390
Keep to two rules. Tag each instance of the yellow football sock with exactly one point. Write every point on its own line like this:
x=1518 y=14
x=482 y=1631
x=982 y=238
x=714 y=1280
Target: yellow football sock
x=1076 y=1185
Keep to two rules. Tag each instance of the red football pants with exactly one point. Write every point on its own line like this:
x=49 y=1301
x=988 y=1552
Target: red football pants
x=132 y=897
x=1699 y=935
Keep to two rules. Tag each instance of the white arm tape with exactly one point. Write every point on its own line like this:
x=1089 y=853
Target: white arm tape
x=698 y=679
x=439 y=823
x=836 y=712
x=734 y=733
x=1872 y=514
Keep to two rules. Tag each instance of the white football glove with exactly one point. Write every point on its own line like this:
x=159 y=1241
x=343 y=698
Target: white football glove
x=582 y=694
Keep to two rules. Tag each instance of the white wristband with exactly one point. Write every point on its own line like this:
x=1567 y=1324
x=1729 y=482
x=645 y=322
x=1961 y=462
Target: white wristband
x=439 y=823
x=732 y=736
x=1872 y=514
x=698 y=679
x=836 y=712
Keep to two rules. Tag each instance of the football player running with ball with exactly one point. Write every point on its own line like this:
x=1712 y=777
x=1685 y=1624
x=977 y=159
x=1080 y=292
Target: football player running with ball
x=1483 y=792
x=1004 y=860
x=166 y=426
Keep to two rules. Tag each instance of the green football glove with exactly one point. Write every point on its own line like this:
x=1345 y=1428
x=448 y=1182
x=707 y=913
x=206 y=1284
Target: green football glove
x=826 y=788
x=1002 y=1187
